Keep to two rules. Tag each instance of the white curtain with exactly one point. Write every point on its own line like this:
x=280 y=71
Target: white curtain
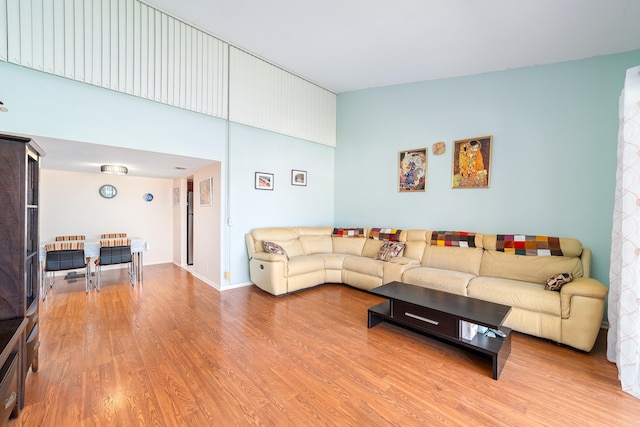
x=623 y=340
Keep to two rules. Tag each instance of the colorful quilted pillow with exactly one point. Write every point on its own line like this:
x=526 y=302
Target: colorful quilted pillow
x=348 y=232
x=389 y=250
x=274 y=248
x=555 y=282
x=389 y=234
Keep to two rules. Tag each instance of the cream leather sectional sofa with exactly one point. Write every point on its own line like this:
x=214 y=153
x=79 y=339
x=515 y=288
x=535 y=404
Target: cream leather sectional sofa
x=478 y=266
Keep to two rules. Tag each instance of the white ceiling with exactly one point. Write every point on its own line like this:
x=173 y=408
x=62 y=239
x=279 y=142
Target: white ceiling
x=345 y=45
x=87 y=158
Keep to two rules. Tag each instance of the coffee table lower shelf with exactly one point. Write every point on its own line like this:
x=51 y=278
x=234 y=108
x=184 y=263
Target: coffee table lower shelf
x=496 y=347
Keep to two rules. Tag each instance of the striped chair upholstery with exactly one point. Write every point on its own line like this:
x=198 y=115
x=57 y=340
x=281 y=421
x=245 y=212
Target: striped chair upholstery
x=65 y=238
x=113 y=235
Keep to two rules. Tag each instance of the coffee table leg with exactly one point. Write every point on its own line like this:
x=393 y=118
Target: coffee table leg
x=373 y=319
x=500 y=358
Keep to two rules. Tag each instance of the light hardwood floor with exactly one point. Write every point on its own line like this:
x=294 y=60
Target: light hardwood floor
x=176 y=352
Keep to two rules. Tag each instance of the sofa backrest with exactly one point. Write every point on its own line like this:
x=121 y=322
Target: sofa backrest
x=451 y=250
x=349 y=241
x=507 y=264
x=415 y=244
x=287 y=237
x=375 y=240
x=316 y=240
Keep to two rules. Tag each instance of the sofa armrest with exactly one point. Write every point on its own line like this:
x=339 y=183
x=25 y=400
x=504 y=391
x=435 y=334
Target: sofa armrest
x=405 y=261
x=583 y=287
x=268 y=256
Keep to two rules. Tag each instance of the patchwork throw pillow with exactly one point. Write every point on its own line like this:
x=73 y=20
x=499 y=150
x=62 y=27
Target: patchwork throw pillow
x=555 y=282
x=389 y=250
x=274 y=248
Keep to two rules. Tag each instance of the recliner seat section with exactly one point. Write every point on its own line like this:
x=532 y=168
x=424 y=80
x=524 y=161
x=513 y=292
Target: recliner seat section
x=476 y=265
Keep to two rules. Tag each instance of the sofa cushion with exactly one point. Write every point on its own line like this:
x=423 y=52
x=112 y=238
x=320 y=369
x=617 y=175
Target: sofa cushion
x=316 y=244
x=343 y=245
x=515 y=293
x=274 y=248
x=363 y=265
x=415 y=244
x=389 y=250
x=466 y=260
x=288 y=238
x=372 y=247
x=304 y=264
x=454 y=282
x=333 y=261
x=535 y=269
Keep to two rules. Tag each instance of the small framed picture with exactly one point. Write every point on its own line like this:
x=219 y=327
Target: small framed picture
x=205 y=192
x=264 y=181
x=298 y=177
x=412 y=170
x=472 y=162
x=176 y=197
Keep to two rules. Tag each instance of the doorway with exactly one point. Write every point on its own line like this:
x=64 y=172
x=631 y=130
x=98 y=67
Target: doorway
x=190 y=222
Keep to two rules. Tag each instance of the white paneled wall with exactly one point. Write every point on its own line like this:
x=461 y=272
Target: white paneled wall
x=265 y=96
x=123 y=45
x=133 y=48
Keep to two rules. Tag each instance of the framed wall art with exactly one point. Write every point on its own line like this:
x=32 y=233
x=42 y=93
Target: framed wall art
x=176 y=197
x=264 y=181
x=298 y=177
x=204 y=187
x=412 y=170
x=472 y=162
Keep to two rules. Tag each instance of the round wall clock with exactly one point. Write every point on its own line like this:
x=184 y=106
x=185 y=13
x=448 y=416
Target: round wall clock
x=108 y=191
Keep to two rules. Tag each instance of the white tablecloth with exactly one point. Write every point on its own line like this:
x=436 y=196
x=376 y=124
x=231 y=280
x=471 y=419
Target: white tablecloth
x=92 y=247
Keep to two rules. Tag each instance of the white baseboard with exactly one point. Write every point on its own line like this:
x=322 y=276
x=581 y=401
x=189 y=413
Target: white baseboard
x=236 y=286
x=205 y=280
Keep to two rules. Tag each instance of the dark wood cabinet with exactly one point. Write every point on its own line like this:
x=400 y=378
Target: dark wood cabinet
x=19 y=267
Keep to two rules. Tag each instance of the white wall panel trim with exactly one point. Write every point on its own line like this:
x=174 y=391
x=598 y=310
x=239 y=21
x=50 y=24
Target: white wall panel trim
x=133 y=48
x=123 y=45
x=266 y=96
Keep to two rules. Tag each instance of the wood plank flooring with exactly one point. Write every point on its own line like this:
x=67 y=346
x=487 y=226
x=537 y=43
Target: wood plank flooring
x=176 y=352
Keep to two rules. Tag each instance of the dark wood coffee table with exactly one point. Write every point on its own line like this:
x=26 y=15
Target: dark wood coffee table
x=439 y=314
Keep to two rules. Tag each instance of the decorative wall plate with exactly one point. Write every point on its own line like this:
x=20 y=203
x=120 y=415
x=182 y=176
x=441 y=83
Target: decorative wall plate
x=108 y=191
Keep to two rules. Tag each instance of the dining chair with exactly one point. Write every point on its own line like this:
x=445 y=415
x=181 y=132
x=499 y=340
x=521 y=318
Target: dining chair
x=113 y=235
x=115 y=251
x=63 y=256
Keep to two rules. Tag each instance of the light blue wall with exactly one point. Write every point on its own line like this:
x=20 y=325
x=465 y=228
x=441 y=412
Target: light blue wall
x=255 y=150
x=46 y=105
x=554 y=133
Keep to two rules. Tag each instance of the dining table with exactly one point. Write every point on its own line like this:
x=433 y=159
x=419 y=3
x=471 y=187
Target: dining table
x=92 y=250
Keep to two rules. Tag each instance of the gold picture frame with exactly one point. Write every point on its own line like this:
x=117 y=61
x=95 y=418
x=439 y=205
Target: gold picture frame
x=472 y=162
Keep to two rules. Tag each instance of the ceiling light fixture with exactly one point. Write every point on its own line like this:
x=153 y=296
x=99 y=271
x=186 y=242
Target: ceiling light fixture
x=117 y=169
